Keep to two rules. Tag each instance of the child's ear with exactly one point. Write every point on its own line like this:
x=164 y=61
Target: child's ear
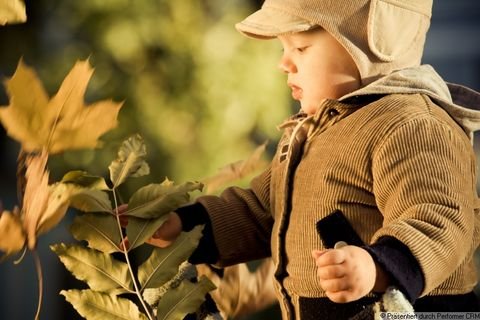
x=394 y=31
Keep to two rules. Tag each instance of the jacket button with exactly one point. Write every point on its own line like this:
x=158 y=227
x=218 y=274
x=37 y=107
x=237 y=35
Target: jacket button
x=333 y=113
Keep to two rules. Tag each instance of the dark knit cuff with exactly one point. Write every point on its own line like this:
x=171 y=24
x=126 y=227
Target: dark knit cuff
x=192 y=216
x=398 y=262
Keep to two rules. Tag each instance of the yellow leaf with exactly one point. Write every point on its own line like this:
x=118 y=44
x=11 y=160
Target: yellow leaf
x=57 y=205
x=12 y=11
x=59 y=124
x=12 y=237
x=36 y=196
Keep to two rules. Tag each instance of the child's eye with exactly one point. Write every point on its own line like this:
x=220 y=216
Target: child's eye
x=301 y=49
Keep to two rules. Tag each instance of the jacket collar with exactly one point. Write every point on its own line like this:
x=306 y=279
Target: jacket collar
x=461 y=103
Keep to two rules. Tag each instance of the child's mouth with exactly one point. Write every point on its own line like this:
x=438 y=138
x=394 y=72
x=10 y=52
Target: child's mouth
x=296 y=92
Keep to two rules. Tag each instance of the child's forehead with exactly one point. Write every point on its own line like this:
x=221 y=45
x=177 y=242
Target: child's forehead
x=304 y=35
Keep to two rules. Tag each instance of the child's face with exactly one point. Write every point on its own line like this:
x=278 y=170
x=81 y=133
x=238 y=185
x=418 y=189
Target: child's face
x=318 y=68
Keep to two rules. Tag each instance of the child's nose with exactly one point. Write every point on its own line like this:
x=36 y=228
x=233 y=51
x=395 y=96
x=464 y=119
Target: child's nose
x=286 y=65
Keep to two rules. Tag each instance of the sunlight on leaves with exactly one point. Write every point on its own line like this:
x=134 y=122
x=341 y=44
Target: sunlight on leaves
x=156 y=200
x=185 y=299
x=130 y=161
x=99 y=306
x=89 y=200
x=99 y=270
x=84 y=179
x=99 y=230
x=163 y=262
x=59 y=124
x=12 y=11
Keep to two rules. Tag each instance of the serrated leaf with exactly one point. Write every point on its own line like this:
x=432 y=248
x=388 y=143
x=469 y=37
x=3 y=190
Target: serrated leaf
x=156 y=200
x=12 y=11
x=236 y=171
x=178 y=302
x=140 y=230
x=12 y=236
x=90 y=200
x=99 y=230
x=94 y=305
x=84 y=179
x=59 y=124
x=163 y=262
x=99 y=270
x=130 y=161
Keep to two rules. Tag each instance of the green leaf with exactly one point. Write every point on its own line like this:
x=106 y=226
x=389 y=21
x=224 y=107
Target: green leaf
x=100 y=306
x=140 y=230
x=156 y=200
x=100 y=230
x=186 y=298
x=130 y=161
x=86 y=180
x=99 y=270
x=91 y=200
x=163 y=262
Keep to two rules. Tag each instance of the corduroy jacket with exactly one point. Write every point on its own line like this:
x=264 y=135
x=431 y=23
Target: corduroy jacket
x=398 y=167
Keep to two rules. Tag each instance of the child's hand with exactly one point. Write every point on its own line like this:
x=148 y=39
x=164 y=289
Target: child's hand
x=168 y=232
x=346 y=274
x=163 y=237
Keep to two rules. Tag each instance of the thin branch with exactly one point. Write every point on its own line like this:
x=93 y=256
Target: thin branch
x=38 y=267
x=125 y=252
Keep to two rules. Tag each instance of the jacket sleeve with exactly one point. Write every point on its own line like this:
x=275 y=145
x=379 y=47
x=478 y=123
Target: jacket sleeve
x=424 y=183
x=238 y=222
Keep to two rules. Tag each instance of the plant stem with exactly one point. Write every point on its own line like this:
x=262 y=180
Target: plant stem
x=38 y=267
x=125 y=252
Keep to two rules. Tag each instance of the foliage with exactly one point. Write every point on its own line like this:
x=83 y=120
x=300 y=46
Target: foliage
x=106 y=276
x=58 y=124
x=35 y=121
x=42 y=126
x=12 y=11
x=195 y=87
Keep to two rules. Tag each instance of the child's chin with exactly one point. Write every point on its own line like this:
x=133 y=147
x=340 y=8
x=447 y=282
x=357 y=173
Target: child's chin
x=310 y=110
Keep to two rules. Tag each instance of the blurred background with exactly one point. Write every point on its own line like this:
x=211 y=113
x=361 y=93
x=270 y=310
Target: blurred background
x=200 y=94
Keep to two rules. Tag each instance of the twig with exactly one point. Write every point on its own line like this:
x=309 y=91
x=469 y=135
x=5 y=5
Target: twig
x=38 y=267
x=125 y=252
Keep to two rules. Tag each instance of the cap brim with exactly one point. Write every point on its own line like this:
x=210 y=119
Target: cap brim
x=268 y=23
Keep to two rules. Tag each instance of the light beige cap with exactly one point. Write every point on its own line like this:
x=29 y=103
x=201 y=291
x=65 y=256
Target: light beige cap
x=381 y=35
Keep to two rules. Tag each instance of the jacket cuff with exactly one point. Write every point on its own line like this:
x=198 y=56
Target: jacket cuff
x=398 y=262
x=192 y=216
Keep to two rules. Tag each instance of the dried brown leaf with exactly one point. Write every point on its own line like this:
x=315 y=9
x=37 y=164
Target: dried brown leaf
x=235 y=171
x=35 y=200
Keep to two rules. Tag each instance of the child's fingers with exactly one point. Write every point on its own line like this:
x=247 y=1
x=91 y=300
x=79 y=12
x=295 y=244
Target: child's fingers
x=159 y=242
x=124 y=244
x=121 y=209
x=340 y=296
x=335 y=285
x=331 y=272
x=331 y=257
x=123 y=221
x=317 y=253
